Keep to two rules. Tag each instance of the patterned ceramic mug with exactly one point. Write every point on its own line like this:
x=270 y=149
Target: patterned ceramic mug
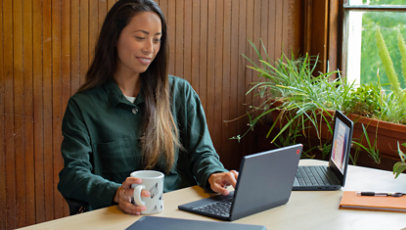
x=153 y=181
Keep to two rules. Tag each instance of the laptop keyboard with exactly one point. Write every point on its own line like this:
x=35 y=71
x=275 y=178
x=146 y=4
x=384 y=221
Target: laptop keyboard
x=220 y=208
x=314 y=175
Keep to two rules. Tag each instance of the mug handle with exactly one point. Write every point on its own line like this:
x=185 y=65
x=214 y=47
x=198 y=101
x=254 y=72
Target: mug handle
x=137 y=195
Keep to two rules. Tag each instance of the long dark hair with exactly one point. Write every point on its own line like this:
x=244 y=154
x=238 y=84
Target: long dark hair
x=160 y=131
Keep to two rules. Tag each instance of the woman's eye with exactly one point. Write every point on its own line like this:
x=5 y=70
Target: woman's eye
x=139 y=38
x=157 y=40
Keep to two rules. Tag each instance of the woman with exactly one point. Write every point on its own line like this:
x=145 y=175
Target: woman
x=130 y=115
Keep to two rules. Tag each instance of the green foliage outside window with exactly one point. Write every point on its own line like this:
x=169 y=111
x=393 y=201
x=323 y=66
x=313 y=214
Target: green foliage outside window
x=389 y=23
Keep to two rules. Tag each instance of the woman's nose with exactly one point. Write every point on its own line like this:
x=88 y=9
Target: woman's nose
x=148 y=46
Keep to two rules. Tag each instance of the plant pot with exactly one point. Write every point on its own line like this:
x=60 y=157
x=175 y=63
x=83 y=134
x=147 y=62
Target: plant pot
x=385 y=134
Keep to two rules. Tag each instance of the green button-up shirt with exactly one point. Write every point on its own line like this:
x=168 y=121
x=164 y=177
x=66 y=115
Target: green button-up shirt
x=101 y=144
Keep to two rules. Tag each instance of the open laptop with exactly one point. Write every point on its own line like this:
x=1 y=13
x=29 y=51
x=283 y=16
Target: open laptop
x=331 y=177
x=265 y=181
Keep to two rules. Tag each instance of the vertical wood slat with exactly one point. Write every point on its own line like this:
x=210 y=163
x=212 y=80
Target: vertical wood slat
x=83 y=39
x=203 y=46
x=179 y=33
x=272 y=28
x=3 y=193
x=74 y=45
x=218 y=72
x=28 y=134
x=47 y=103
x=9 y=152
x=65 y=84
x=38 y=113
x=211 y=53
x=206 y=37
x=195 y=45
x=93 y=26
x=56 y=96
x=187 y=40
x=226 y=103
x=171 y=20
x=19 y=110
x=233 y=81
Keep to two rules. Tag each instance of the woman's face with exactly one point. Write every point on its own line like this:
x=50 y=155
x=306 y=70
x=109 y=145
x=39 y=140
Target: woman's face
x=139 y=43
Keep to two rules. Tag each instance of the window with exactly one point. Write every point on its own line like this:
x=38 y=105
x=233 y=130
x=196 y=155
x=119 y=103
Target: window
x=361 y=62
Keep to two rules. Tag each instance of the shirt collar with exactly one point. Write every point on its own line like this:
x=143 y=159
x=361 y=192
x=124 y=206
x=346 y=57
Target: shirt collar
x=116 y=96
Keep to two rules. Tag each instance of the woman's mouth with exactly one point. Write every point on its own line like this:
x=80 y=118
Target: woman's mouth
x=144 y=60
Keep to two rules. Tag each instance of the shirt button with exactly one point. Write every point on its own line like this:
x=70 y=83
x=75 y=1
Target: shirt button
x=134 y=110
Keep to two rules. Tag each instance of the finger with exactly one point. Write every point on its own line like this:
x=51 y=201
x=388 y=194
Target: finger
x=131 y=180
x=231 y=179
x=220 y=189
x=235 y=173
x=145 y=193
x=131 y=209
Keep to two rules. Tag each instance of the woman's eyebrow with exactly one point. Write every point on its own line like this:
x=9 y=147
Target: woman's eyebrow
x=147 y=33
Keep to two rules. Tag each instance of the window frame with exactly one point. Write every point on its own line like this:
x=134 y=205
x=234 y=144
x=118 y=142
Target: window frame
x=344 y=9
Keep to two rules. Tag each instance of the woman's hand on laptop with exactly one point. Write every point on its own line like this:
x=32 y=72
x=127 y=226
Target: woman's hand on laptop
x=220 y=181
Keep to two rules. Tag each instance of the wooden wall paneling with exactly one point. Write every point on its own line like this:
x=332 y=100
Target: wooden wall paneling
x=248 y=51
x=195 y=45
x=232 y=128
x=203 y=50
x=226 y=104
x=187 y=40
x=218 y=73
x=38 y=112
x=103 y=4
x=3 y=193
x=56 y=98
x=271 y=27
x=19 y=110
x=319 y=25
x=278 y=29
x=84 y=47
x=179 y=37
x=10 y=174
x=241 y=75
x=171 y=21
x=264 y=24
x=93 y=26
x=211 y=53
x=75 y=46
x=28 y=134
x=285 y=29
x=296 y=24
x=65 y=84
x=47 y=101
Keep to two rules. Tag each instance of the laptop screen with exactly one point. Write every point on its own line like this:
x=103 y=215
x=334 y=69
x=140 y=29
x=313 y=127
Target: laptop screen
x=341 y=139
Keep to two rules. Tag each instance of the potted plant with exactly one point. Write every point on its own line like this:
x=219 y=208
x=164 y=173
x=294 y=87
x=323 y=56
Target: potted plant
x=301 y=102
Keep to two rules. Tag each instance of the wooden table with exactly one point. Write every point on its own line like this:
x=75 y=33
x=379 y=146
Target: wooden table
x=305 y=209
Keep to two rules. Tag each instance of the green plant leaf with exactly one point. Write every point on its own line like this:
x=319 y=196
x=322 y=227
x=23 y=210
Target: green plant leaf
x=402 y=49
x=387 y=62
x=398 y=168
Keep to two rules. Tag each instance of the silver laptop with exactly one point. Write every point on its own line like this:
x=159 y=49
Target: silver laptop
x=265 y=181
x=331 y=177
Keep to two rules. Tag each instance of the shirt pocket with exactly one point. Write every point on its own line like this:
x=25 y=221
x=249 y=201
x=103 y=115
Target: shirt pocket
x=117 y=159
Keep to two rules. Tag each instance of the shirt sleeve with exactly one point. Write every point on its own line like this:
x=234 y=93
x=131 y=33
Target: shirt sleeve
x=202 y=154
x=76 y=178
